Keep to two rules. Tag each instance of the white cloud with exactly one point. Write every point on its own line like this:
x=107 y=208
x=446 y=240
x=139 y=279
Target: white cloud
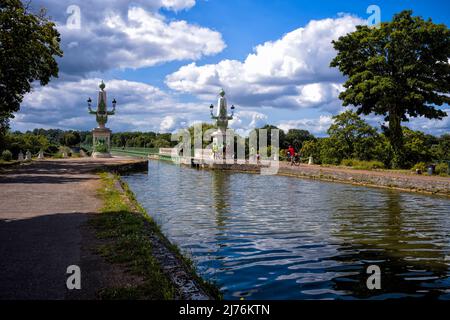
x=292 y=72
x=317 y=126
x=114 y=35
x=244 y=121
x=140 y=107
x=434 y=126
x=154 y=40
x=178 y=4
x=172 y=123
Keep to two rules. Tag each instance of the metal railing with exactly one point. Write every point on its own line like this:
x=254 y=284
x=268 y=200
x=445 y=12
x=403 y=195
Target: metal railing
x=134 y=151
x=131 y=151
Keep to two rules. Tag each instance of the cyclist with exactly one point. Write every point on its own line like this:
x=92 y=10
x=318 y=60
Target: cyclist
x=291 y=153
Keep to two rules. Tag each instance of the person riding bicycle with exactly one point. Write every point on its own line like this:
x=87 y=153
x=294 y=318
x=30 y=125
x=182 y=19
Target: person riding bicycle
x=291 y=153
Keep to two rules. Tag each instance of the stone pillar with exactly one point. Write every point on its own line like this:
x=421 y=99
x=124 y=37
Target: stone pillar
x=220 y=136
x=101 y=136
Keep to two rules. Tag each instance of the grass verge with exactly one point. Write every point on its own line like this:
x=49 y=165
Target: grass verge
x=210 y=288
x=127 y=227
x=128 y=244
x=362 y=165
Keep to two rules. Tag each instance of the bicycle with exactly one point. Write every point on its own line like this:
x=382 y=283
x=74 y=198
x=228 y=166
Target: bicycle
x=295 y=160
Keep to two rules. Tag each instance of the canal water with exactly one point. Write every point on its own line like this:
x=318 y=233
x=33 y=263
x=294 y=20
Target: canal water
x=274 y=237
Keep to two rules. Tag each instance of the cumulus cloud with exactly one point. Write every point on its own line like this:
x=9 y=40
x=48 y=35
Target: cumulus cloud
x=95 y=8
x=177 y=4
x=317 y=126
x=113 y=35
x=437 y=127
x=245 y=121
x=172 y=123
x=141 y=107
x=292 y=72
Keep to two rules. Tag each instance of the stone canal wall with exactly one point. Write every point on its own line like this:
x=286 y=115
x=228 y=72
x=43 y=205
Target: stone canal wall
x=127 y=167
x=413 y=183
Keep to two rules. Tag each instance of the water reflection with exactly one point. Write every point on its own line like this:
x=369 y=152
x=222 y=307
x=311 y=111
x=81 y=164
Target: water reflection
x=221 y=197
x=398 y=240
x=275 y=237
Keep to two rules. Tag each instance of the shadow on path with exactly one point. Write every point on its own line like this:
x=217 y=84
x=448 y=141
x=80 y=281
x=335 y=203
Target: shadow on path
x=35 y=254
x=44 y=209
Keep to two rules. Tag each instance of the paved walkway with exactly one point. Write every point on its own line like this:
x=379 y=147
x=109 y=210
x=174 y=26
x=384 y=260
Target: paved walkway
x=43 y=210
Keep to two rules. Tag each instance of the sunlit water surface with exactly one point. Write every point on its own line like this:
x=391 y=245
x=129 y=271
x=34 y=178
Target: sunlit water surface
x=274 y=237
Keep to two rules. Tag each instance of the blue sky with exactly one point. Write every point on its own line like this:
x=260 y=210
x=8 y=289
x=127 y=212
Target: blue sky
x=165 y=60
x=246 y=23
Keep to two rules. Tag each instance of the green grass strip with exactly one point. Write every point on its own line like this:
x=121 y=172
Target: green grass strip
x=128 y=235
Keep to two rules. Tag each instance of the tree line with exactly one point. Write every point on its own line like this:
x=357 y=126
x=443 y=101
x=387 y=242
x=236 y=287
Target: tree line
x=350 y=139
x=51 y=140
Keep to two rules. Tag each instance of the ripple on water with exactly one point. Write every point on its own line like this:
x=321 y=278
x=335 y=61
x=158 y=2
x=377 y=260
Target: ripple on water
x=273 y=237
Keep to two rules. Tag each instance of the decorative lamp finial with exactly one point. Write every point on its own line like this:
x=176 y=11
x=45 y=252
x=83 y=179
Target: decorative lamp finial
x=102 y=86
x=222 y=93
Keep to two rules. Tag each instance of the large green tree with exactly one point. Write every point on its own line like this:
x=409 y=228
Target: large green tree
x=70 y=139
x=29 y=44
x=296 y=138
x=399 y=70
x=418 y=146
x=441 y=150
x=351 y=137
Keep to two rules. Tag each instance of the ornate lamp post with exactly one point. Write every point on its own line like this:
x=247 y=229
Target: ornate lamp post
x=222 y=118
x=101 y=136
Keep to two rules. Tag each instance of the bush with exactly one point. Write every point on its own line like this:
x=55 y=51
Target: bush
x=311 y=149
x=266 y=152
x=52 y=149
x=370 y=165
x=283 y=154
x=348 y=162
x=363 y=165
x=422 y=166
x=7 y=155
x=101 y=147
x=441 y=169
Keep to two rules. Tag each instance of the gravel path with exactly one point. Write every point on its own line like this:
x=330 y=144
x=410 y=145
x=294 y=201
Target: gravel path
x=44 y=207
